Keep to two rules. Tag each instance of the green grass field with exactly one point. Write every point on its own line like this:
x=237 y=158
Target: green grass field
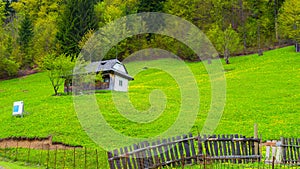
x=260 y=89
x=8 y=165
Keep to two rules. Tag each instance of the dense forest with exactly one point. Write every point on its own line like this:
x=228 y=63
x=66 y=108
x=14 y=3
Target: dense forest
x=32 y=30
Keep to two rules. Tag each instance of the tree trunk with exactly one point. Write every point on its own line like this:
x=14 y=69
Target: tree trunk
x=68 y=89
x=209 y=60
x=276 y=30
x=227 y=60
x=226 y=55
x=55 y=91
x=67 y=85
x=297 y=45
x=275 y=18
x=243 y=26
x=260 y=52
x=56 y=87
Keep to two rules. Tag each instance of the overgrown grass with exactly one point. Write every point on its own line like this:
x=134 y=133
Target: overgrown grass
x=260 y=89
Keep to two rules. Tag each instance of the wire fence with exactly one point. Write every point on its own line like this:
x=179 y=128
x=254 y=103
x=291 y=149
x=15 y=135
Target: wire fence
x=83 y=158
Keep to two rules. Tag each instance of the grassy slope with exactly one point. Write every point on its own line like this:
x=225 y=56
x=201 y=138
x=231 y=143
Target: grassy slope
x=263 y=90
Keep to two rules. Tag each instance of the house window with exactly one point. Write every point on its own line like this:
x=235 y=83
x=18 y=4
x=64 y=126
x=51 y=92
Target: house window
x=120 y=83
x=106 y=79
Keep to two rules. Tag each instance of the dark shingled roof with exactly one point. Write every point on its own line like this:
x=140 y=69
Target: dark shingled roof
x=106 y=66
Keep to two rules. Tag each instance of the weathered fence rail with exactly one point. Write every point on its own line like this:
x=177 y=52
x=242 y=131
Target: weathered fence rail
x=185 y=150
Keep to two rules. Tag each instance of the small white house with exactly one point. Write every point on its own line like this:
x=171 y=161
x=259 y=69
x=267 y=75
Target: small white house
x=114 y=74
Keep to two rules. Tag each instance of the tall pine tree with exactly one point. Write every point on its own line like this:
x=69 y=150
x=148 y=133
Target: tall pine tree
x=25 y=40
x=25 y=32
x=152 y=6
x=76 y=19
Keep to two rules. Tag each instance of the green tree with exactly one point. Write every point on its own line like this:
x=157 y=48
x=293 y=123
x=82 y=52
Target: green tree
x=150 y=5
x=59 y=69
x=77 y=18
x=289 y=21
x=9 y=11
x=2 y=12
x=45 y=29
x=25 y=40
x=184 y=9
x=226 y=41
x=8 y=64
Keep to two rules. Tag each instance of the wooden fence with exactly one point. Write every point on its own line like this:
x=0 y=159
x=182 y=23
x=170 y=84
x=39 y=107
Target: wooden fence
x=290 y=150
x=285 y=151
x=186 y=149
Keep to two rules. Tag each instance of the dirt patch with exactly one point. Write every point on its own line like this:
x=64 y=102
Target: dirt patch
x=33 y=143
x=21 y=74
x=24 y=73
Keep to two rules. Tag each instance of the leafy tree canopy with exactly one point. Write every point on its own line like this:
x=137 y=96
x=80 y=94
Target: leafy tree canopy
x=76 y=19
x=226 y=41
x=289 y=19
x=59 y=69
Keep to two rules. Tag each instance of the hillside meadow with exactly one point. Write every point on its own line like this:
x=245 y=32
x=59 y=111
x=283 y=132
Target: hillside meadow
x=259 y=89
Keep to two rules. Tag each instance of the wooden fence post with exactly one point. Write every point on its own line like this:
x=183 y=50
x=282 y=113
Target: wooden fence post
x=273 y=162
x=64 y=158
x=84 y=157
x=110 y=160
x=193 y=150
x=29 y=147
x=123 y=159
x=55 y=155
x=256 y=136
x=17 y=151
x=97 y=159
x=283 y=150
x=74 y=165
x=48 y=156
x=182 y=161
x=204 y=161
x=166 y=150
x=5 y=149
x=187 y=150
x=41 y=155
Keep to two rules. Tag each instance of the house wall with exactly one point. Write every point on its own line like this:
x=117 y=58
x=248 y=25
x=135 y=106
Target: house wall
x=120 y=84
x=111 y=81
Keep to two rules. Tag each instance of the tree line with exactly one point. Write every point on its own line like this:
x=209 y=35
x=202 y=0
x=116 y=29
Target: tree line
x=33 y=31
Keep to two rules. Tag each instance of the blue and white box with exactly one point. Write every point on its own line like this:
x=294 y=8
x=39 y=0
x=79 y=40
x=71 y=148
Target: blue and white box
x=18 y=108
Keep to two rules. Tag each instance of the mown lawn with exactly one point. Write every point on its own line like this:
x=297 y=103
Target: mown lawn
x=260 y=89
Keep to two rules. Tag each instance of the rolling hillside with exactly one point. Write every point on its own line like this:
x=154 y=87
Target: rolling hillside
x=260 y=89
